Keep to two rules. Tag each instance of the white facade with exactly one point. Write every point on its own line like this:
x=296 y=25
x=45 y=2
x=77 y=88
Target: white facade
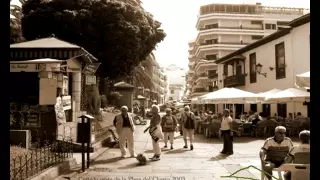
x=297 y=60
x=225 y=28
x=176 y=92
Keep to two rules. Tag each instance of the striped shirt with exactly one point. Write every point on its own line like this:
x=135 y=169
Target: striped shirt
x=277 y=151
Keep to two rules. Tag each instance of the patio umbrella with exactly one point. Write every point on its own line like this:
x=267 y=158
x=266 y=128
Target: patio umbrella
x=263 y=95
x=303 y=80
x=231 y=96
x=289 y=95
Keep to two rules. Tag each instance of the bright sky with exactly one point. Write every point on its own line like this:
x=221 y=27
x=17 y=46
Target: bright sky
x=178 y=18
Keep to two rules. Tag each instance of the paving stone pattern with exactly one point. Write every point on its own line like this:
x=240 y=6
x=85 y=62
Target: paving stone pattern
x=204 y=162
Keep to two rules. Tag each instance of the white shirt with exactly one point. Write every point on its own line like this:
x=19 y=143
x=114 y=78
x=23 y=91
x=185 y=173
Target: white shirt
x=225 y=123
x=299 y=148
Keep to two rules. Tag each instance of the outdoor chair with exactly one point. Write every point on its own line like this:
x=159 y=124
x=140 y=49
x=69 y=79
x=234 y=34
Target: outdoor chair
x=300 y=168
x=294 y=128
x=237 y=128
x=212 y=129
x=260 y=129
x=246 y=129
x=274 y=153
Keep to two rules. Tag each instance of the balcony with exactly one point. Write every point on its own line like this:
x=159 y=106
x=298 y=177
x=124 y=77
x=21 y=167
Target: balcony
x=200 y=90
x=213 y=76
x=235 y=80
x=239 y=28
x=226 y=43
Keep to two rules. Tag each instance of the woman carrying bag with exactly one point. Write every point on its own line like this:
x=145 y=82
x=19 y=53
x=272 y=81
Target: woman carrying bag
x=155 y=132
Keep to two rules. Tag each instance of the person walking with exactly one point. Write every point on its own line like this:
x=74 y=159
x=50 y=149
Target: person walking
x=169 y=124
x=188 y=126
x=125 y=128
x=154 y=125
x=227 y=133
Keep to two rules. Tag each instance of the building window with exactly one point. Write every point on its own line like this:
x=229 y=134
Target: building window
x=253 y=62
x=256 y=22
x=172 y=91
x=211 y=26
x=211 y=41
x=210 y=88
x=280 y=61
x=282 y=110
x=270 y=26
x=212 y=57
x=212 y=74
x=256 y=37
x=225 y=69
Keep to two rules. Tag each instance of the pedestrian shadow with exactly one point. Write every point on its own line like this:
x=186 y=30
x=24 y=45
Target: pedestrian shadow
x=218 y=157
x=162 y=150
x=106 y=161
x=176 y=151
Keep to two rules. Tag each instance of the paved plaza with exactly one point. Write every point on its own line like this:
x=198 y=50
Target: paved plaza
x=204 y=162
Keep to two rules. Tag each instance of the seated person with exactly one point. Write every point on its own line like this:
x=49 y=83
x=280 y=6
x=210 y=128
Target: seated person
x=304 y=146
x=215 y=119
x=300 y=116
x=289 y=118
x=274 y=150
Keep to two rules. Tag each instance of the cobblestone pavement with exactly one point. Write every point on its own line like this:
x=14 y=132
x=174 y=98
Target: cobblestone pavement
x=204 y=162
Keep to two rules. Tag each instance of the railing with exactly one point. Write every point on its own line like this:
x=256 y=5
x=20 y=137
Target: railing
x=221 y=27
x=235 y=80
x=212 y=76
x=40 y=157
x=231 y=43
x=200 y=90
x=203 y=75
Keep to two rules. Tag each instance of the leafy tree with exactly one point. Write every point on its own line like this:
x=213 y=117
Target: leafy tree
x=15 y=23
x=114 y=96
x=121 y=35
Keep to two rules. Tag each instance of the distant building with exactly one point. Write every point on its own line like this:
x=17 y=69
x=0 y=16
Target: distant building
x=177 y=82
x=225 y=28
x=272 y=62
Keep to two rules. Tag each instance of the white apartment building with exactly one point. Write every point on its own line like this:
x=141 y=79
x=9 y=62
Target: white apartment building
x=279 y=57
x=176 y=81
x=225 y=28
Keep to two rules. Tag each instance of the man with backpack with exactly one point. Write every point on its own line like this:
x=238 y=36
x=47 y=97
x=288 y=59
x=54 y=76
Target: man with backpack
x=188 y=126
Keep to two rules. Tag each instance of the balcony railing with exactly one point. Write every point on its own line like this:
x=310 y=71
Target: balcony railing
x=196 y=90
x=235 y=80
x=231 y=43
x=221 y=27
x=212 y=76
x=203 y=75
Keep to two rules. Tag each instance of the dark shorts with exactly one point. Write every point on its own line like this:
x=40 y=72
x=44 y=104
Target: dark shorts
x=277 y=163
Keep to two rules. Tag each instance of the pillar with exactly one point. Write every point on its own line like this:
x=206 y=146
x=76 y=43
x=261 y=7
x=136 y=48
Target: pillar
x=76 y=95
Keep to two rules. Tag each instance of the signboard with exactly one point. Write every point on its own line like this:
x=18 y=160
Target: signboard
x=90 y=80
x=91 y=68
x=66 y=102
x=65 y=85
x=33 y=120
x=27 y=67
x=48 y=91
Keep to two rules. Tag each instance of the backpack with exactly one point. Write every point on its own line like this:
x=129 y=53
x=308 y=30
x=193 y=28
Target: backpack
x=189 y=123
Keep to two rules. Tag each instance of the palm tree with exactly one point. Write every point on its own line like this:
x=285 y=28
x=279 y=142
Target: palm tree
x=15 y=23
x=142 y=74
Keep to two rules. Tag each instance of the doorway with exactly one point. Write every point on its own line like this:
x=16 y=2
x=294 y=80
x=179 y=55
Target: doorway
x=266 y=110
x=238 y=70
x=282 y=110
x=253 y=107
x=239 y=110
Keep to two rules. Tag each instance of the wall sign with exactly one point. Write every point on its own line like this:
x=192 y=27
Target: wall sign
x=33 y=120
x=91 y=68
x=90 y=80
x=66 y=102
x=26 y=67
x=48 y=91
